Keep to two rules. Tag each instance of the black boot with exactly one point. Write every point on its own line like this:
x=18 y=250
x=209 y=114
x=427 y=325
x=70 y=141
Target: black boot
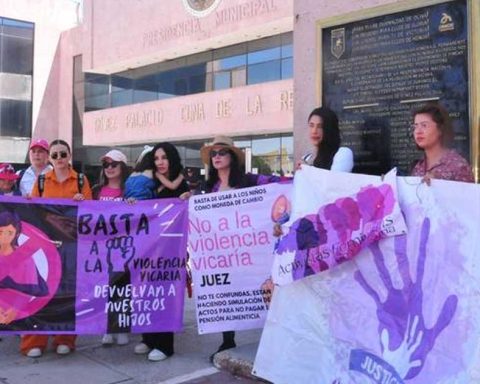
x=228 y=343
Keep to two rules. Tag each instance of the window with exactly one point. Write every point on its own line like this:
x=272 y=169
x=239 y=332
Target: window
x=254 y=62
x=16 y=69
x=15 y=117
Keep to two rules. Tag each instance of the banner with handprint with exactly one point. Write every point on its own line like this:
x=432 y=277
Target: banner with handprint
x=331 y=225
x=231 y=244
x=405 y=310
x=92 y=267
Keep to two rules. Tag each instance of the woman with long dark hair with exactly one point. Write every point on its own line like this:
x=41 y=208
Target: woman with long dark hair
x=167 y=166
x=324 y=135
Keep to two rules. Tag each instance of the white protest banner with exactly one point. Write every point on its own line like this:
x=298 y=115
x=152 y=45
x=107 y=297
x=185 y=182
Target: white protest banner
x=335 y=215
x=231 y=252
x=405 y=310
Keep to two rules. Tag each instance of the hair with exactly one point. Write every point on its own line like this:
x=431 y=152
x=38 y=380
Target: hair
x=331 y=137
x=11 y=218
x=235 y=178
x=174 y=161
x=440 y=116
x=60 y=142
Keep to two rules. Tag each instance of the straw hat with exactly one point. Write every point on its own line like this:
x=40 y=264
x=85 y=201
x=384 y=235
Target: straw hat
x=221 y=142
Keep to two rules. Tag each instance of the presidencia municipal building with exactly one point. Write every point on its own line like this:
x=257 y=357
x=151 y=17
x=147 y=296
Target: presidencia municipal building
x=125 y=74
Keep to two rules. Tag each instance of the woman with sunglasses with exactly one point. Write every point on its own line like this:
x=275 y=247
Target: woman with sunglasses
x=111 y=187
x=225 y=172
x=166 y=164
x=61 y=182
x=433 y=134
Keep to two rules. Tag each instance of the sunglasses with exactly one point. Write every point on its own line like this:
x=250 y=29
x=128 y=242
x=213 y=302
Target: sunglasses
x=56 y=155
x=113 y=164
x=220 y=152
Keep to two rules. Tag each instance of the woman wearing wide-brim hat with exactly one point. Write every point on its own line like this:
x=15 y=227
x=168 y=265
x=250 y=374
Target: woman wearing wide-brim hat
x=225 y=164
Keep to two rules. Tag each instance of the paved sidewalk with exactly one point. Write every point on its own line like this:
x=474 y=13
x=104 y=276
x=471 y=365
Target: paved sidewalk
x=94 y=364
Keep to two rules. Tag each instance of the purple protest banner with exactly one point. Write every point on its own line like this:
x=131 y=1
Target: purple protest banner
x=92 y=267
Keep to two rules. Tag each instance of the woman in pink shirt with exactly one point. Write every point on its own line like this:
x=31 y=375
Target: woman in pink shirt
x=112 y=177
x=111 y=187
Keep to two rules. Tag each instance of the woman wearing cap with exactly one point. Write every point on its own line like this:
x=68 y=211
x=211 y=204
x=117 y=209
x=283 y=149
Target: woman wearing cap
x=225 y=172
x=433 y=133
x=8 y=179
x=38 y=155
x=324 y=135
x=111 y=187
x=61 y=182
x=112 y=178
x=166 y=166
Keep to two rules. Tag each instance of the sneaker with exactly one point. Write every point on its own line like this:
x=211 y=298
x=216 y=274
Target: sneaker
x=122 y=339
x=63 y=349
x=141 y=349
x=107 y=339
x=156 y=355
x=34 y=352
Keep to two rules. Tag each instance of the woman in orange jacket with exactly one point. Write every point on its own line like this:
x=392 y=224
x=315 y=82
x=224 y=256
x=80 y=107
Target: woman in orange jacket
x=61 y=182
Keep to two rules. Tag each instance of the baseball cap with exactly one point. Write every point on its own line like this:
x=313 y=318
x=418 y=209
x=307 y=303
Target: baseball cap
x=40 y=143
x=115 y=155
x=7 y=172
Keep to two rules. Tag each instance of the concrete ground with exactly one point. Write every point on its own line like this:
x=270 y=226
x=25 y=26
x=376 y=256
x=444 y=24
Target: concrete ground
x=94 y=364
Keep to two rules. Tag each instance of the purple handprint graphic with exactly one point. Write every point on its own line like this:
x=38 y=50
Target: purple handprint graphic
x=338 y=231
x=405 y=339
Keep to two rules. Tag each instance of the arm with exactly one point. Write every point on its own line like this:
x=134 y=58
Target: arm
x=87 y=190
x=343 y=160
x=169 y=184
x=39 y=290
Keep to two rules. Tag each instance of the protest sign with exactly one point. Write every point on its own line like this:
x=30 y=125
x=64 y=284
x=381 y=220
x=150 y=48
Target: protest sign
x=405 y=310
x=335 y=215
x=231 y=244
x=93 y=267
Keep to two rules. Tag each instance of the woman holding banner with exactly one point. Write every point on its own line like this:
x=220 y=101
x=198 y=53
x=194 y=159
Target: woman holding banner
x=324 y=135
x=166 y=165
x=61 y=182
x=111 y=187
x=225 y=172
x=433 y=133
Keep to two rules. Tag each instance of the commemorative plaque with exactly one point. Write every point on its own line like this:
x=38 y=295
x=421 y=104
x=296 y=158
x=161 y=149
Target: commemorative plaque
x=376 y=71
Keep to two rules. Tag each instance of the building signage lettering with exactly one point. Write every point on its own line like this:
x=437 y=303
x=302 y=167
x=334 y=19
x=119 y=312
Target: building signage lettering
x=286 y=100
x=224 y=108
x=144 y=119
x=105 y=124
x=182 y=29
x=193 y=112
x=254 y=107
x=195 y=26
x=248 y=10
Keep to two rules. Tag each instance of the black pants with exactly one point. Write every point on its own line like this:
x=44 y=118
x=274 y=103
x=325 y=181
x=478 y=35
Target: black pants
x=162 y=341
x=119 y=280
